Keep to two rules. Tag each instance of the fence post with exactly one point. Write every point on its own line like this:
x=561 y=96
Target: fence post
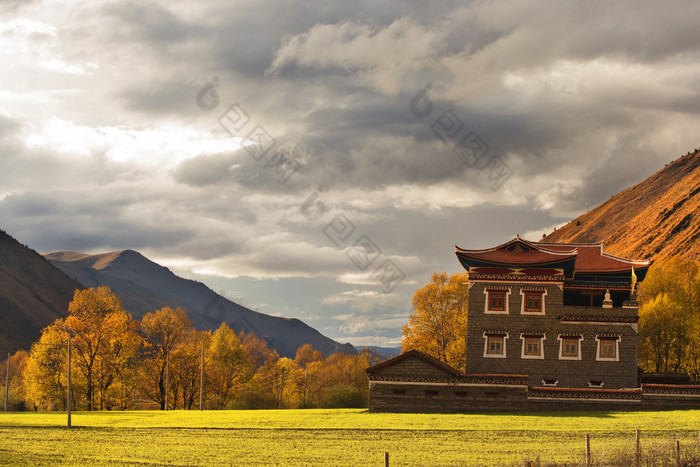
x=637 y=453
x=386 y=459
x=588 y=450
x=678 y=453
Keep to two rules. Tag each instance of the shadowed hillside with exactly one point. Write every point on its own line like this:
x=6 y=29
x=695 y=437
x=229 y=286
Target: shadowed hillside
x=33 y=294
x=656 y=219
x=145 y=286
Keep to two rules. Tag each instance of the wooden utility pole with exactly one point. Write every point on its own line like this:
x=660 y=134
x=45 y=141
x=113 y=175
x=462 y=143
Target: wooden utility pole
x=201 y=380
x=306 y=378
x=7 y=381
x=167 y=378
x=68 y=385
x=281 y=388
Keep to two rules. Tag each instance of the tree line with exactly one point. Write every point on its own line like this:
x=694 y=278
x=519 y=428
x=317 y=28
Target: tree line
x=118 y=363
x=669 y=318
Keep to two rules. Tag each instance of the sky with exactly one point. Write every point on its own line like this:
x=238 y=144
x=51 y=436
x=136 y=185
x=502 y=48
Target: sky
x=321 y=159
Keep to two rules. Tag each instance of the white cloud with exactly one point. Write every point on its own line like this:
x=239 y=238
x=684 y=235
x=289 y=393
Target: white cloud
x=382 y=57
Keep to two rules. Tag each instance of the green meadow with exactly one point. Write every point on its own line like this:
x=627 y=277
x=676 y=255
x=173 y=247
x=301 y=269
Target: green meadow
x=339 y=437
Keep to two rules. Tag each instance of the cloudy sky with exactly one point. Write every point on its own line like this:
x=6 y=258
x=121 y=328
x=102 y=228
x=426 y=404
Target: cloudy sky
x=320 y=159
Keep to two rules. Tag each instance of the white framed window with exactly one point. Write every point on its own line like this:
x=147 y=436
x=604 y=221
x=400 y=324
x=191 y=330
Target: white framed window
x=570 y=347
x=532 y=301
x=608 y=348
x=533 y=346
x=496 y=300
x=495 y=344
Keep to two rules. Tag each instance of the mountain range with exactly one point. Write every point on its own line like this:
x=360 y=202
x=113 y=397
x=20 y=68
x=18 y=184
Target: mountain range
x=145 y=286
x=35 y=290
x=655 y=219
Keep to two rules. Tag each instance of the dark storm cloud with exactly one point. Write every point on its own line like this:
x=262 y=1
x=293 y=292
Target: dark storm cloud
x=161 y=98
x=148 y=23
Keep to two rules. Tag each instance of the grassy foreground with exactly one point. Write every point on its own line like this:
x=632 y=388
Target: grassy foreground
x=332 y=437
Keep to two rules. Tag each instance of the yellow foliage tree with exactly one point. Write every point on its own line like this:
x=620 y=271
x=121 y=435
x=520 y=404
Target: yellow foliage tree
x=165 y=331
x=45 y=375
x=105 y=341
x=438 y=323
x=669 y=318
x=306 y=355
x=185 y=368
x=229 y=368
x=16 y=392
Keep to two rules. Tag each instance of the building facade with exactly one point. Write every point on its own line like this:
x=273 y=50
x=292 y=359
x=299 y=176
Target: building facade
x=550 y=326
x=563 y=314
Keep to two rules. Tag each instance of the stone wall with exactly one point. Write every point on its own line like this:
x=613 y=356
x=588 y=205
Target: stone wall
x=455 y=398
x=447 y=398
x=556 y=319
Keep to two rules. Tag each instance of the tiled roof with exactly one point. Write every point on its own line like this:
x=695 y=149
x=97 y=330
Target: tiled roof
x=588 y=257
x=418 y=354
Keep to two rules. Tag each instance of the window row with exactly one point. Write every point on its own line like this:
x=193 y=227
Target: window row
x=532 y=300
x=608 y=346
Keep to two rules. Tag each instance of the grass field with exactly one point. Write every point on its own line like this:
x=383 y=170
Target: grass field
x=333 y=437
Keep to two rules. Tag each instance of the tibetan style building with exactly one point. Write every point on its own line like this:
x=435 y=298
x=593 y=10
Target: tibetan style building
x=550 y=326
x=563 y=314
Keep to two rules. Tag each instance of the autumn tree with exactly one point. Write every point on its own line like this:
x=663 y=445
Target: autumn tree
x=260 y=389
x=104 y=340
x=185 y=368
x=669 y=318
x=664 y=335
x=229 y=368
x=372 y=356
x=164 y=330
x=16 y=392
x=306 y=355
x=45 y=375
x=339 y=380
x=438 y=323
